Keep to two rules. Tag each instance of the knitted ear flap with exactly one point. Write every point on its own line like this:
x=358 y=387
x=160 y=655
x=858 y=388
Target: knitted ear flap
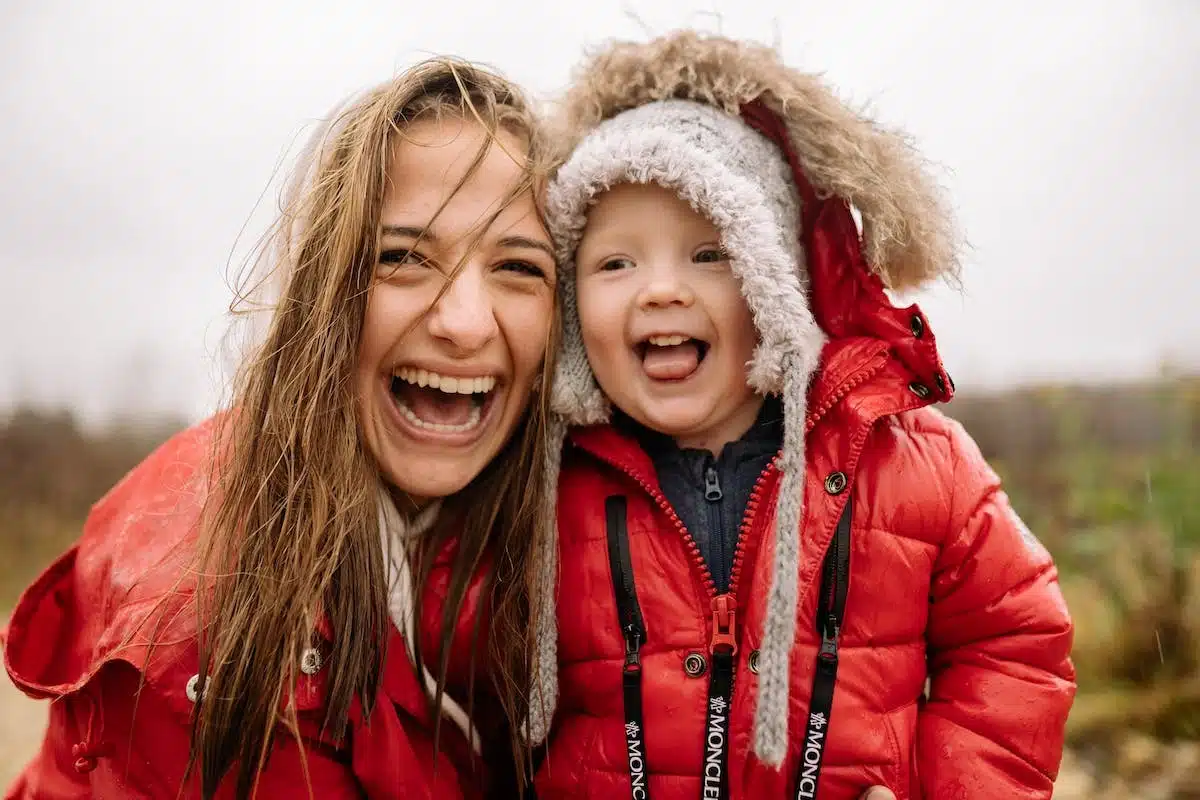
x=543 y=697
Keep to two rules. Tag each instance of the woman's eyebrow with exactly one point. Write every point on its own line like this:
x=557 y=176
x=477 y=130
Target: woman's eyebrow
x=409 y=231
x=426 y=235
x=526 y=243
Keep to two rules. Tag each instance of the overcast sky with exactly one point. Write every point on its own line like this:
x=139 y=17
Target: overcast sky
x=137 y=138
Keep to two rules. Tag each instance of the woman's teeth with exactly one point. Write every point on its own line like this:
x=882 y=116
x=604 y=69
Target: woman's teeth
x=668 y=341
x=472 y=420
x=447 y=383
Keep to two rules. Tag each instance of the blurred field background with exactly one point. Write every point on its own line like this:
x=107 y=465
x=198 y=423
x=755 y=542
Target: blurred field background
x=1108 y=477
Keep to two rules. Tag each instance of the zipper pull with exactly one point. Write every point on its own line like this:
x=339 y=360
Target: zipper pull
x=724 y=638
x=712 y=485
x=830 y=634
x=633 y=645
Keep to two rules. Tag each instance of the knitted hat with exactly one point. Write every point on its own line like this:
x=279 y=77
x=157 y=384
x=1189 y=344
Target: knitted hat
x=773 y=159
x=734 y=176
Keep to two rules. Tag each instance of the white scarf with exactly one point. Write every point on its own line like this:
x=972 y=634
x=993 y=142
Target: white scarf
x=395 y=531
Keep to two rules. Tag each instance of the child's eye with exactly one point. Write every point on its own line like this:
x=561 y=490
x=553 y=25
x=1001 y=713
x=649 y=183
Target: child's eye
x=523 y=268
x=710 y=255
x=614 y=264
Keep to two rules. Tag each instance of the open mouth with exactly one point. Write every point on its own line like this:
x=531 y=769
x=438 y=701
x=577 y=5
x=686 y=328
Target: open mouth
x=671 y=357
x=442 y=403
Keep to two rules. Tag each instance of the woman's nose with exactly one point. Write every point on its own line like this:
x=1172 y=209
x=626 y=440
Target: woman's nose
x=464 y=316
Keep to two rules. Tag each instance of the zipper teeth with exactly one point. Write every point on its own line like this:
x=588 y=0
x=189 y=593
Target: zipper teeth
x=832 y=578
x=739 y=547
x=694 y=549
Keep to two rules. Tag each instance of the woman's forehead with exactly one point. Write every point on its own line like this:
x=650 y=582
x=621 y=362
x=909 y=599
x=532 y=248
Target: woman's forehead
x=451 y=175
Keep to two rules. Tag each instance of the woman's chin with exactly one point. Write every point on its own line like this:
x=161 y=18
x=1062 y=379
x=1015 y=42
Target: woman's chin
x=434 y=464
x=421 y=482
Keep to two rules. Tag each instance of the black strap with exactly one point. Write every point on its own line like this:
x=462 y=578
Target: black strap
x=633 y=629
x=716 y=727
x=831 y=612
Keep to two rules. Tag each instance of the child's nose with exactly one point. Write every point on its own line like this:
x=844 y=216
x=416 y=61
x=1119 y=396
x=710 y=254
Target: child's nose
x=666 y=286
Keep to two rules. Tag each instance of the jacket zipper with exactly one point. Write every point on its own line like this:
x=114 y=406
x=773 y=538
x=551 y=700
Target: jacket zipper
x=633 y=626
x=836 y=572
x=723 y=606
x=716 y=522
x=835 y=582
x=629 y=615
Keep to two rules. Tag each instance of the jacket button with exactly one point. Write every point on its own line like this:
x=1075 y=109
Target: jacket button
x=694 y=664
x=835 y=483
x=919 y=389
x=917 y=325
x=85 y=761
x=193 y=690
x=310 y=661
x=754 y=661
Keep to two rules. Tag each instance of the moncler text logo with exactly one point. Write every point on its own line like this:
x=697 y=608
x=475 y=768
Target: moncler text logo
x=714 y=751
x=814 y=746
x=637 y=760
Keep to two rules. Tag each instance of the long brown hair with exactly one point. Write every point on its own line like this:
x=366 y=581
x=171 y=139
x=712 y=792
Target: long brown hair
x=293 y=530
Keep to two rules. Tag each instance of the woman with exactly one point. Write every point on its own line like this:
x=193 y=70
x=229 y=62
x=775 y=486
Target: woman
x=237 y=617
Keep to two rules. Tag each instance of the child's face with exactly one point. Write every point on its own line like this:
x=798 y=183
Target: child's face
x=666 y=327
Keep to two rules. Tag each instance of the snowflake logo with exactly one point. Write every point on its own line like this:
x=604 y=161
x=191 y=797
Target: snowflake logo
x=632 y=729
x=818 y=721
x=719 y=705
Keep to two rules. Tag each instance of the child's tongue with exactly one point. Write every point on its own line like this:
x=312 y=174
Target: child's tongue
x=431 y=405
x=671 y=363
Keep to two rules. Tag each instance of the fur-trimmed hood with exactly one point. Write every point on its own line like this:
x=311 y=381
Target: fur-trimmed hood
x=908 y=233
x=830 y=287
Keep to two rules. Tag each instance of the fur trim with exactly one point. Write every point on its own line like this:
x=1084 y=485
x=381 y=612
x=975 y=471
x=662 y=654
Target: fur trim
x=725 y=170
x=908 y=234
x=394 y=531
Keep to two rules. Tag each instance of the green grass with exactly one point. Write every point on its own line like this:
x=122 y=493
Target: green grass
x=1109 y=479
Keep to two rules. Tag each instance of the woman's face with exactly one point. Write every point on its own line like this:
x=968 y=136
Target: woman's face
x=443 y=383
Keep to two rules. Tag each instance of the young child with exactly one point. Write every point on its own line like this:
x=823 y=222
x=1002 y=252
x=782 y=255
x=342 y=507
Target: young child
x=768 y=538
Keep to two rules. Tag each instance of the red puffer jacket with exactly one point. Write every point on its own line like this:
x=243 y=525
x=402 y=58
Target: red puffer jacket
x=80 y=636
x=945 y=583
x=904 y=539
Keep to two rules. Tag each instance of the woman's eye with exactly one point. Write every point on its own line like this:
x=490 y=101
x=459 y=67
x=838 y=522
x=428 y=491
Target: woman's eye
x=710 y=255
x=398 y=257
x=614 y=264
x=523 y=268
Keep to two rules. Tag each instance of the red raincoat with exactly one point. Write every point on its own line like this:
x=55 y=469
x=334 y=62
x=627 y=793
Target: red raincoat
x=120 y=713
